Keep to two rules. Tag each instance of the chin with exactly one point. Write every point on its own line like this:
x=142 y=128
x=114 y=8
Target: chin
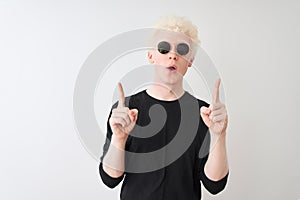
x=172 y=82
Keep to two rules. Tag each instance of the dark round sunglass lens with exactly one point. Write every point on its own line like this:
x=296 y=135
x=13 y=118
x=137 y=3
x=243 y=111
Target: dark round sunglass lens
x=182 y=49
x=163 y=47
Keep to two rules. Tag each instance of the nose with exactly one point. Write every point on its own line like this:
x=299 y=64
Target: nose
x=172 y=56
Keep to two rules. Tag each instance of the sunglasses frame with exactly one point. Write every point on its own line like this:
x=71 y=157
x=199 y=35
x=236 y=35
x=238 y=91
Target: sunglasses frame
x=160 y=49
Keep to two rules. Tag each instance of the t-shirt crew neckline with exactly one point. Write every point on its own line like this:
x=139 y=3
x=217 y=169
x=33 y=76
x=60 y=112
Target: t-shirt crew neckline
x=166 y=101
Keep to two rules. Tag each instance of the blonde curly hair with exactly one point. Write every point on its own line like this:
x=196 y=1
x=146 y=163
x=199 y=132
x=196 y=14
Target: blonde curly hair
x=178 y=24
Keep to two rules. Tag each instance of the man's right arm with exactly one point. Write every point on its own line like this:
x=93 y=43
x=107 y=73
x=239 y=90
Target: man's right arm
x=113 y=161
x=121 y=122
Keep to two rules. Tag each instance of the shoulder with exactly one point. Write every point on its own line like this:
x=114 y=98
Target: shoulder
x=136 y=99
x=191 y=97
x=131 y=101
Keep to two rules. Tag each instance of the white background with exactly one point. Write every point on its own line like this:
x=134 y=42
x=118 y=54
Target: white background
x=254 y=44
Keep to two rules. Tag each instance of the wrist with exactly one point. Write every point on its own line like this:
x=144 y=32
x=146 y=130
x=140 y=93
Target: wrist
x=118 y=142
x=220 y=137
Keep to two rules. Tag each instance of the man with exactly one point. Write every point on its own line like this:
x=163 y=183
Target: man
x=173 y=54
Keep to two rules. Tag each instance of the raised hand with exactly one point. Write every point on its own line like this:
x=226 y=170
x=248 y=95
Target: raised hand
x=215 y=116
x=122 y=119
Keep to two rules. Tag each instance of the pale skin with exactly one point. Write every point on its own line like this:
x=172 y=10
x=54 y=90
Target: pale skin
x=168 y=86
x=122 y=121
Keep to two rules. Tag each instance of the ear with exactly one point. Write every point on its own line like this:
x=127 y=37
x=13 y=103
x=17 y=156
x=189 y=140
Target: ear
x=150 y=57
x=191 y=61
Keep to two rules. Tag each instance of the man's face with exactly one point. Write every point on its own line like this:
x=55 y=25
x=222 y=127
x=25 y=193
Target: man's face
x=171 y=56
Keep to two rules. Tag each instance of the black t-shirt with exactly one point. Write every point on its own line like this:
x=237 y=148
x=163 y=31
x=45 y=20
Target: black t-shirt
x=182 y=133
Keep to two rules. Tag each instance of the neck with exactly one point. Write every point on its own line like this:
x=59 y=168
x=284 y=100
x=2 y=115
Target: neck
x=165 y=92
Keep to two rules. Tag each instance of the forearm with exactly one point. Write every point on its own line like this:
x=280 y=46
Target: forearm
x=216 y=166
x=113 y=161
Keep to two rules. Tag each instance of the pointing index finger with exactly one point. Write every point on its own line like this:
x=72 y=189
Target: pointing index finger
x=216 y=91
x=121 y=102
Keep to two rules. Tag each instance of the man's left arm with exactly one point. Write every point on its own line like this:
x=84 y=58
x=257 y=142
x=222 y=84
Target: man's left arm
x=216 y=166
x=216 y=119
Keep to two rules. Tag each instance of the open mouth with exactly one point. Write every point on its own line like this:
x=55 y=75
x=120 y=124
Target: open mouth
x=172 y=68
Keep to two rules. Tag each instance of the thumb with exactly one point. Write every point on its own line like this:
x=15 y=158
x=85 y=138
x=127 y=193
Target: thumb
x=133 y=113
x=204 y=112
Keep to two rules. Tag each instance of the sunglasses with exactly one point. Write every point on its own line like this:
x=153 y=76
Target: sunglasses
x=165 y=47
